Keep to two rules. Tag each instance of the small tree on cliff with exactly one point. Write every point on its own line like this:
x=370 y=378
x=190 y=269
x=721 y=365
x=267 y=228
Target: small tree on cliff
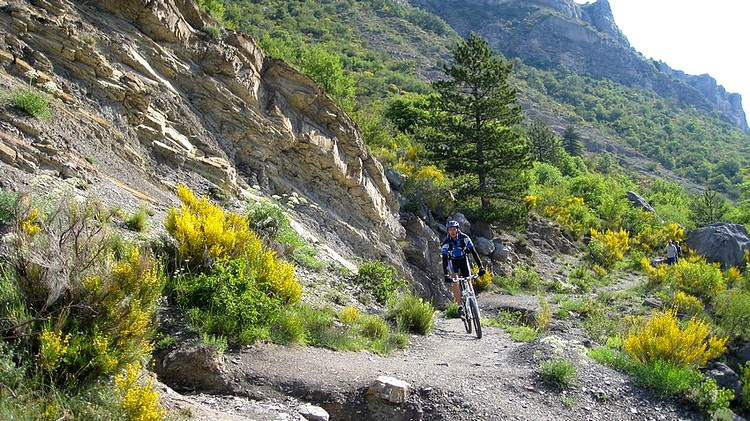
x=474 y=130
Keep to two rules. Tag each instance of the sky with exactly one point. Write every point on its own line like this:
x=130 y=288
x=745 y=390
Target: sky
x=693 y=36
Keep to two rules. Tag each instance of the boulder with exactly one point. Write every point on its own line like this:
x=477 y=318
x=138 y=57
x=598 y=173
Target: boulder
x=389 y=389
x=720 y=242
x=640 y=202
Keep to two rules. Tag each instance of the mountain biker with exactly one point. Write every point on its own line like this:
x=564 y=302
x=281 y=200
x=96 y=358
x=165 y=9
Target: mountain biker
x=456 y=261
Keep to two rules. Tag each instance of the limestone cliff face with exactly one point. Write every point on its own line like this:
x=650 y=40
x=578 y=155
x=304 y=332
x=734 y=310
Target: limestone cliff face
x=145 y=98
x=582 y=38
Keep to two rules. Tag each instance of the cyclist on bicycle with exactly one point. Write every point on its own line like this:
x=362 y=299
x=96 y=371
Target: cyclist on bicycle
x=456 y=261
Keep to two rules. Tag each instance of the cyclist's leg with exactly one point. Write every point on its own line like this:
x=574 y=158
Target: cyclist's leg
x=462 y=268
x=455 y=285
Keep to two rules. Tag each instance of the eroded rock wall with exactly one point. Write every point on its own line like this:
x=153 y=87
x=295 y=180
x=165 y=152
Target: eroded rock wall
x=145 y=97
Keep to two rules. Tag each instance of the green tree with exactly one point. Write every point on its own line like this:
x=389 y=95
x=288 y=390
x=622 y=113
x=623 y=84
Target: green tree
x=544 y=144
x=326 y=69
x=474 y=133
x=572 y=143
x=708 y=208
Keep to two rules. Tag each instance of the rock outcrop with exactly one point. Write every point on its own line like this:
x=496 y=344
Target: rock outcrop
x=144 y=96
x=720 y=242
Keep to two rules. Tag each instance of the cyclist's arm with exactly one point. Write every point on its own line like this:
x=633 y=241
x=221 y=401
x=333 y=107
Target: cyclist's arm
x=476 y=257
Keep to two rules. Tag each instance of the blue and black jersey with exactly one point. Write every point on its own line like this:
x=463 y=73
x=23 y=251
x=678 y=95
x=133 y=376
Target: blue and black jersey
x=455 y=254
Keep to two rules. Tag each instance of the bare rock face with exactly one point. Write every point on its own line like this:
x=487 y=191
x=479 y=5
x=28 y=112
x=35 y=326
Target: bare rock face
x=144 y=98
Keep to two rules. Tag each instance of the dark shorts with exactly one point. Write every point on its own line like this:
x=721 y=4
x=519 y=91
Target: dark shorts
x=671 y=260
x=459 y=266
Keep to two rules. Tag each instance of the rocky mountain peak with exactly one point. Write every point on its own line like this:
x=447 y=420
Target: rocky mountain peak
x=582 y=38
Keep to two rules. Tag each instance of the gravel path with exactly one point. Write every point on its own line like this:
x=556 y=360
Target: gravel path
x=452 y=376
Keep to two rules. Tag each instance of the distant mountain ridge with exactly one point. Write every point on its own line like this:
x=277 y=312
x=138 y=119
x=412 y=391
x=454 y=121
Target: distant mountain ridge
x=584 y=39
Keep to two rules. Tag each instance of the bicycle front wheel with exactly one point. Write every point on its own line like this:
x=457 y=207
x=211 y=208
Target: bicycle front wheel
x=472 y=304
x=467 y=318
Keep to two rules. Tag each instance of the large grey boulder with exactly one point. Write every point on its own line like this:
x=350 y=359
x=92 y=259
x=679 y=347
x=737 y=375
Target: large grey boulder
x=720 y=242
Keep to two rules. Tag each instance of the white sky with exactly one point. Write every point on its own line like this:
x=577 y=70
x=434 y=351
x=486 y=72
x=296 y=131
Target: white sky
x=693 y=36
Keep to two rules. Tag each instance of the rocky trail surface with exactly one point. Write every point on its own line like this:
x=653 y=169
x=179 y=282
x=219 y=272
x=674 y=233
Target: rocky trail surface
x=451 y=375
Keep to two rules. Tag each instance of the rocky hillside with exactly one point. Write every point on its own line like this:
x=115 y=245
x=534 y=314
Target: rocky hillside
x=144 y=97
x=584 y=39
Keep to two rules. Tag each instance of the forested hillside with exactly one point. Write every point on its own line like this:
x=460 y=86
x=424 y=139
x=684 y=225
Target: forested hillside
x=366 y=53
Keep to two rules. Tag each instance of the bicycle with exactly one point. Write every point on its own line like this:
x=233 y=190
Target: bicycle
x=471 y=308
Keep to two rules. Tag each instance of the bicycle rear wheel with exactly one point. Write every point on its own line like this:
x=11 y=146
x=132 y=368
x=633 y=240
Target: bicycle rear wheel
x=474 y=309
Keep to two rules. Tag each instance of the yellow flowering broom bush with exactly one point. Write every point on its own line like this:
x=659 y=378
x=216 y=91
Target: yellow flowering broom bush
x=662 y=338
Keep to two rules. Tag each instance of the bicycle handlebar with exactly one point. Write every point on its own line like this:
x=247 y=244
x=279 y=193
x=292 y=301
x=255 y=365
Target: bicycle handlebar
x=461 y=278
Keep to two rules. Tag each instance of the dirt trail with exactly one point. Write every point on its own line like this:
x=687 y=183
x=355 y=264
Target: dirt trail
x=453 y=376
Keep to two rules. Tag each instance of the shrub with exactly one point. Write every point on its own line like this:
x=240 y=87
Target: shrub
x=687 y=304
x=559 y=372
x=8 y=201
x=204 y=233
x=514 y=324
x=379 y=279
x=139 y=402
x=349 y=315
x=710 y=397
x=653 y=238
x=32 y=101
x=137 y=221
x=661 y=338
x=692 y=275
x=87 y=312
x=745 y=392
x=732 y=310
x=482 y=282
x=544 y=316
x=289 y=329
x=451 y=312
x=522 y=276
x=373 y=327
x=229 y=301
x=411 y=314
x=607 y=248
x=576 y=216
x=270 y=222
x=666 y=378
x=581 y=278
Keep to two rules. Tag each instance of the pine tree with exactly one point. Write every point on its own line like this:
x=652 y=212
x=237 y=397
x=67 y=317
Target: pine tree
x=572 y=142
x=708 y=208
x=545 y=145
x=475 y=127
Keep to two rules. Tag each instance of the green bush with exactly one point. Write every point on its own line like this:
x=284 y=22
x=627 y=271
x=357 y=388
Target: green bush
x=521 y=277
x=379 y=279
x=289 y=329
x=137 y=221
x=451 y=312
x=8 y=201
x=33 y=102
x=374 y=327
x=227 y=301
x=732 y=308
x=559 y=373
x=82 y=309
x=272 y=225
x=667 y=379
x=411 y=314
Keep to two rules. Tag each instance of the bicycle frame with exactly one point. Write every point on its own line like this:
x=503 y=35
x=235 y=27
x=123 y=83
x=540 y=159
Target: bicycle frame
x=471 y=307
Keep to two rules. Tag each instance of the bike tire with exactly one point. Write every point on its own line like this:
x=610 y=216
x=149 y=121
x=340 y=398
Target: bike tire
x=467 y=319
x=475 y=317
